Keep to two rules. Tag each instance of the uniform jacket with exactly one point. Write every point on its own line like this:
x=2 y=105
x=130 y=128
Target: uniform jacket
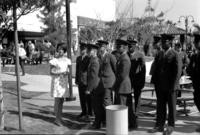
x=138 y=70
x=81 y=70
x=107 y=70
x=194 y=70
x=123 y=83
x=93 y=74
x=156 y=67
x=184 y=60
x=170 y=71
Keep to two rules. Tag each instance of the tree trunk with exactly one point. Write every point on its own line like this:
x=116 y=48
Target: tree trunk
x=1 y=103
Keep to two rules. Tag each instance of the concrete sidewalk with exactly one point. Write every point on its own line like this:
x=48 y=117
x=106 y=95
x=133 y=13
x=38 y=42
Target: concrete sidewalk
x=41 y=83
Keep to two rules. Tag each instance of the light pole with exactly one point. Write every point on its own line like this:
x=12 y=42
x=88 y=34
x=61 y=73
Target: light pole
x=186 y=19
x=68 y=37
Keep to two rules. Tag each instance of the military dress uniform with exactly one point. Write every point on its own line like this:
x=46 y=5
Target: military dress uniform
x=166 y=81
x=95 y=88
x=194 y=72
x=123 y=86
x=81 y=79
x=137 y=76
x=107 y=76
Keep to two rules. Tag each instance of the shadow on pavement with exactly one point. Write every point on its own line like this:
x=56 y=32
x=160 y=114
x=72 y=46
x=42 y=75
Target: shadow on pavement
x=69 y=121
x=68 y=107
x=186 y=128
x=190 y=123
x=11 y=88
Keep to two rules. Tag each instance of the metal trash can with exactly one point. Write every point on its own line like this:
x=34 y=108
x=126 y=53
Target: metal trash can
x=117 y=120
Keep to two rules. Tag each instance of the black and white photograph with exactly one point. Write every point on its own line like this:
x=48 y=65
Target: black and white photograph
x=100 y=67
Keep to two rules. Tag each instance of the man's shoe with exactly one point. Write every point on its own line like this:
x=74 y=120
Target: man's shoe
x=95 y=126
x=156 y=129
x=81 y=115
x=104 y=124
x=133 y=127
x=168 y=130
x=198 y=129
x=58 y=122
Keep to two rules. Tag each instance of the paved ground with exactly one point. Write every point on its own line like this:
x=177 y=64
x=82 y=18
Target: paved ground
x=41 y=83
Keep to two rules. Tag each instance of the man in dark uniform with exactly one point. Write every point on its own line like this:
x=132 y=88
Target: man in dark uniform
x=82 y=63
x=106 y=73
x=167 y=82
x=93 y=86
x=156 y=66
x=185 y=61
x=194 y=71
x=123 y=84
x=137 y=71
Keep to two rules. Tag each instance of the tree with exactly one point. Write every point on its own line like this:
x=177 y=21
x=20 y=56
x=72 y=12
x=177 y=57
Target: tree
x=52 y=17
x=24 y=7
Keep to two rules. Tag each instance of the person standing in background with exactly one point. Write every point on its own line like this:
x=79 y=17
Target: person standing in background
x=106 y=74
x=194 y=71
x=22 y=57
x=155 y=69
x=168 y=81
x=185 y=61
x=31 y=49
x=137 y=72
x=82 y=63
x=123 y=84
x=93 y=86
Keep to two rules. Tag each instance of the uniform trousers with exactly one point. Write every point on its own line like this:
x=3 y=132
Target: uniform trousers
x=197 y=97
x=126 y=99
x=97 y=104
x=165 y=98
x=85 y=100
x=107 y=100
x=137 y=95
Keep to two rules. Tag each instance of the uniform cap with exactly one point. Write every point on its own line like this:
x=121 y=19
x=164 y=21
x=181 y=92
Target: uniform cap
x=102 y=42
x=165 y=37
x=92 y=46
x=132 y=41
x=157 y=38
x=82 y=45
x=121 y=42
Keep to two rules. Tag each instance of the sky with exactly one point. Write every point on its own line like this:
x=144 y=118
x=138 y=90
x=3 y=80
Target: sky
x=105 y=10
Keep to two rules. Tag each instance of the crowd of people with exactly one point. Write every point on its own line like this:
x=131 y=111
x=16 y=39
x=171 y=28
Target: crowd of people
x=30 y=52
x=105 y=78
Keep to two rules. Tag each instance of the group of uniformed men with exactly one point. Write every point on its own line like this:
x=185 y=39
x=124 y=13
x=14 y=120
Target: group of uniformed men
x=100 y=73
x=166 y=70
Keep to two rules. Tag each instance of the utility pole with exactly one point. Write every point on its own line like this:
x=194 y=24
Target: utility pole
x=68 y=36
x=17 y=63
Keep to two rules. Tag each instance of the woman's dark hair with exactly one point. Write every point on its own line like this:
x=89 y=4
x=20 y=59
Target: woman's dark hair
x=62 y=46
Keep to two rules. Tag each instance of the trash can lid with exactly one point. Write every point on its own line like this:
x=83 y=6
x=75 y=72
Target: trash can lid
x=116 y=107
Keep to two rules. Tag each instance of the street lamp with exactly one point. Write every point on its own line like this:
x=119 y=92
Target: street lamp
x=186 y=19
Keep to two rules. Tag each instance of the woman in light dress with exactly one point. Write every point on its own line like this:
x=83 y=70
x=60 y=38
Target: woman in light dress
x=59 y=69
